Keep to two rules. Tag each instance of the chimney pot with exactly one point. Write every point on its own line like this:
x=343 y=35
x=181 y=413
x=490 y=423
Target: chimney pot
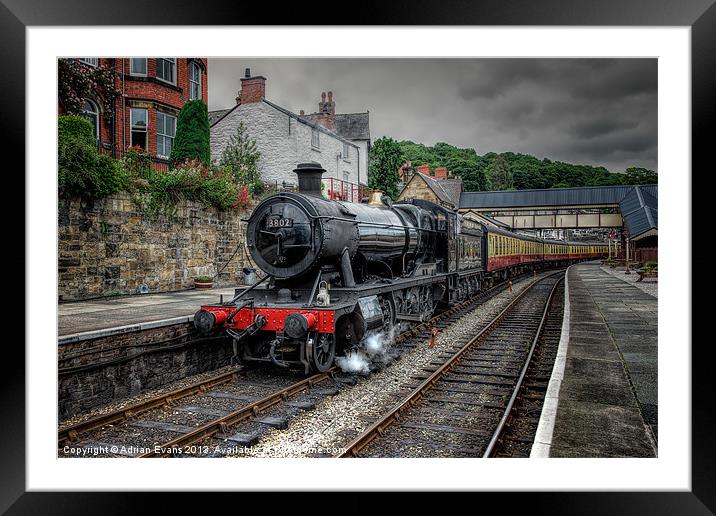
x=247 y=72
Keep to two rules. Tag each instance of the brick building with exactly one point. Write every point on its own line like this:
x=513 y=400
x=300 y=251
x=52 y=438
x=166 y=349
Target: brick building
x=153 y=91
x=340 y=143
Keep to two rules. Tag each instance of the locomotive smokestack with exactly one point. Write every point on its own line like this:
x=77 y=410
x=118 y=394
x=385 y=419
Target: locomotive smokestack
x=309 y=178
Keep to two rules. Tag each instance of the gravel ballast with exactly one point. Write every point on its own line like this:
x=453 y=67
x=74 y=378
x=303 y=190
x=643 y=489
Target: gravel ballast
x=337 y=420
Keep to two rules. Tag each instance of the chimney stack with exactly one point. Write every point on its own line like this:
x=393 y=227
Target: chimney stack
x=253 y=89
x=329 y=106
x=326 y=115
x=309 y=178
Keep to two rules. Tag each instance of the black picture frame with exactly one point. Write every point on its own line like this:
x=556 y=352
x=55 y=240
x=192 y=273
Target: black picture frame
x=700 y=15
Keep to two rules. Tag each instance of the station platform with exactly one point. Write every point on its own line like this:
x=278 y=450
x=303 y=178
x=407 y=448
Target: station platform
x=602 y=398
x=100 y=317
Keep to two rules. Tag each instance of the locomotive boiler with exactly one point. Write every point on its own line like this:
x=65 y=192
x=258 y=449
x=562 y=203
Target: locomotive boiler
x=292 y=235
x=334 y=271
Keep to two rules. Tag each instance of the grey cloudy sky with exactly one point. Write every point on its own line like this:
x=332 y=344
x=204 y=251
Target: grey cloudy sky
x=591 y=111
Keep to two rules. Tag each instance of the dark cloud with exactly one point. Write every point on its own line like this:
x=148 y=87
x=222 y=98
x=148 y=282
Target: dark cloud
x=593 y=111
x=589 y=129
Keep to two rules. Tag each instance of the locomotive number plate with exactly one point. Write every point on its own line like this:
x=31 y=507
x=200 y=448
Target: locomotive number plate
x=279 y=223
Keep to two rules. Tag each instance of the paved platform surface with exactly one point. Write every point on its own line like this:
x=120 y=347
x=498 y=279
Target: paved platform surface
x=100 y=314
x=607 y=402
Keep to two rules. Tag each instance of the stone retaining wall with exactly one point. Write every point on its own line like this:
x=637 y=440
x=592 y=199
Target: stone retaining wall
x=110 y=247
x=95 y=372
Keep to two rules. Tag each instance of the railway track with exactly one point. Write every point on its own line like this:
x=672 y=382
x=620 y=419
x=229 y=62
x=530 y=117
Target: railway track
x=461 y=407
x=519 y=432
x=232 y=408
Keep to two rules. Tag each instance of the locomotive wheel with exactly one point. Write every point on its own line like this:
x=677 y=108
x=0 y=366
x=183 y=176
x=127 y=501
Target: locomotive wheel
x=322 y=353
x=388 y=314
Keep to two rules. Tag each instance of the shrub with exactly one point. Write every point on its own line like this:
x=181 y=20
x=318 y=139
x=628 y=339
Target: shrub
x=192 y=134
x=240 y=158
x=82 y=170
x=243 y=200
x=220 y=191
x=75 y=127
x=137 y=162
x=650 y=266
x=190 y=181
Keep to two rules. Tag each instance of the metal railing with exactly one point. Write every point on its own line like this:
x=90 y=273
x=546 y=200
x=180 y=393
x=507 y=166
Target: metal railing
x=337 y=189
x=333 y=189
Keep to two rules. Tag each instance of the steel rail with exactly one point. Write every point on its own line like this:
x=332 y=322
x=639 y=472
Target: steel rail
x=249 y=411
x=378 y=428
x=503 y=421
x=253 y=410
x=71 y=433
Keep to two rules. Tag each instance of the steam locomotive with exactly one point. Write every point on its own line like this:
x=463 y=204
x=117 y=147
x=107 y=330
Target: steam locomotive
x=335 y=271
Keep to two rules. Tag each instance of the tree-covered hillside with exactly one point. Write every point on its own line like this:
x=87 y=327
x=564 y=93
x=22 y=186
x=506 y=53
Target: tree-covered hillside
x=508 y=170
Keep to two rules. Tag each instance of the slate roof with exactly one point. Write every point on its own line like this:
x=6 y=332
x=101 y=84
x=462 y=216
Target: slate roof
x=640 y=210
x=215 y=116
x=589 y=195
x=638 y=204
x=447 y=190
x=354 y=126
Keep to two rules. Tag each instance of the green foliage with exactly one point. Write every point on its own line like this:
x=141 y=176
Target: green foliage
x=241 y=158
x=189 y=181
x=75 y=127
x=82 y=170
x=526 y=171
x=474 y=176
x=650 y=266
x=192 y=134
x=500 y=174
x=384 y=160
x=640 y=176
x=137 y=162
x=203 y=279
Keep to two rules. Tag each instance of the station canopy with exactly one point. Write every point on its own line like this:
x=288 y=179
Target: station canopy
x=638 y=204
